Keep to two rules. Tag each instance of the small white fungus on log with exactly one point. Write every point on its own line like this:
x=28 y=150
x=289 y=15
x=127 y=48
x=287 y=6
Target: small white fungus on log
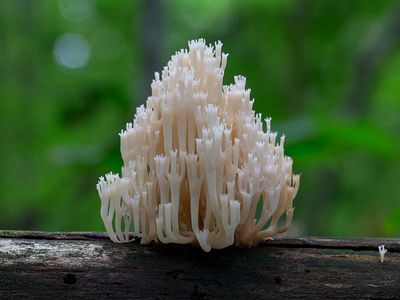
x=382 y=252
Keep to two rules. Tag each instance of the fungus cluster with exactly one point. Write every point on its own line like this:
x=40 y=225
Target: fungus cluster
x=198 y=167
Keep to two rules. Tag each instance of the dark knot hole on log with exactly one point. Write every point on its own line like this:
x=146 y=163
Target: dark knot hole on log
x=278 y=280
x=69 y=278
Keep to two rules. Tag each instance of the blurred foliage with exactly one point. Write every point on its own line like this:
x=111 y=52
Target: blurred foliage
x=327 y=72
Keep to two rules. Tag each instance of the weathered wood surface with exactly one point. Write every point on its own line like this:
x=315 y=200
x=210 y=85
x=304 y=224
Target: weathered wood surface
x=76 y=265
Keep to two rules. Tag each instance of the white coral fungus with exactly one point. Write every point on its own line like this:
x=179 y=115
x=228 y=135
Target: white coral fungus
x=382 y=252
x=197 y=162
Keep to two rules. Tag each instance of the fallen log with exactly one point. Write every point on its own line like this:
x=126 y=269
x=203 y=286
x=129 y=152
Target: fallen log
x=76 y=265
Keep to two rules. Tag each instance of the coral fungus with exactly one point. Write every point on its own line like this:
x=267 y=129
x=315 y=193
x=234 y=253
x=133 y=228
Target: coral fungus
x=197 y=162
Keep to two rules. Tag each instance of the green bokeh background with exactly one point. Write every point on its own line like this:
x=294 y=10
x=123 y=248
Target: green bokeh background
x=327 y=72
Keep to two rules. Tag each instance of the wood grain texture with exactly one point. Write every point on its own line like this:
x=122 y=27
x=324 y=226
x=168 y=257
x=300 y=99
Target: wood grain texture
x=75 y=265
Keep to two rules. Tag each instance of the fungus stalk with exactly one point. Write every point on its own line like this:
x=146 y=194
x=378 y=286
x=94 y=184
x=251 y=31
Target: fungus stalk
x=197 y=162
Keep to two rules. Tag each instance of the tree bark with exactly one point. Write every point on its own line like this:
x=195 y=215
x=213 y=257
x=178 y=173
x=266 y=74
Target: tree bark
x=76 y=265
